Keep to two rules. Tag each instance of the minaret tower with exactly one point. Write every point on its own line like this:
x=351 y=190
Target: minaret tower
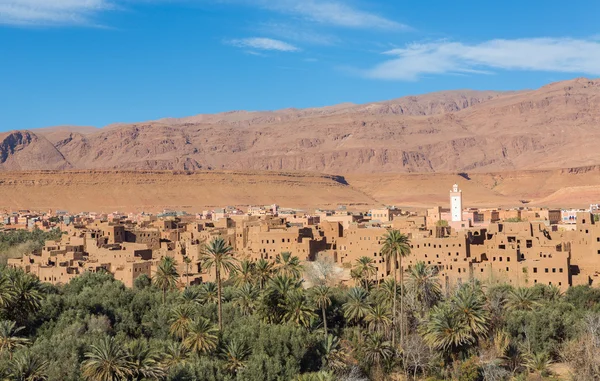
x=456 y=203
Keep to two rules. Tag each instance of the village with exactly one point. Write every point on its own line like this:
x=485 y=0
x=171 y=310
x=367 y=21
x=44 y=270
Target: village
x=520 y=246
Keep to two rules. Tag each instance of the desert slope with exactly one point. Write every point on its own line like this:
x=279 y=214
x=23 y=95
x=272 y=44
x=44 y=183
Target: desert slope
x=101 y=190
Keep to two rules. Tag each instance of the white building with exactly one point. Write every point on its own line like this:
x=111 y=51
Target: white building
x=456 y=204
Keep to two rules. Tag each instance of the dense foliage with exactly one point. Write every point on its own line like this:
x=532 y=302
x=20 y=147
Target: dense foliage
x=275 y=327
x=17 y=242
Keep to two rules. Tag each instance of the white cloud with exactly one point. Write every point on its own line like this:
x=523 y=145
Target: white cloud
x=262 y=43
x=50 y=12
x=297 y=32
x=535 y=54
x=333 y=12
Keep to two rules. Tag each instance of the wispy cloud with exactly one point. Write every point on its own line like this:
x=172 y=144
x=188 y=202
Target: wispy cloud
x=300 y=32
x=262 y=43
x=333 y=12
x=50 y=12
x=565 y=55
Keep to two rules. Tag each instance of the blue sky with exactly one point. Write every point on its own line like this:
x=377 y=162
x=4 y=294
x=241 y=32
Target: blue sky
x=95 y=62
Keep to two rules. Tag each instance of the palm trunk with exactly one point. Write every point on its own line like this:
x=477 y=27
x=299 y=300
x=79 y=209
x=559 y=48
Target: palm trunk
x=187 y=274
x=164 y=294
x=218 y=273
x=401 y=302
x=324 y=321
x=394 y=302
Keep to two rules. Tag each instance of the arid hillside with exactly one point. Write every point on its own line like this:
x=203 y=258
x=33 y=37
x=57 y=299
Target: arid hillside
x=100 y=190
x=555 y=126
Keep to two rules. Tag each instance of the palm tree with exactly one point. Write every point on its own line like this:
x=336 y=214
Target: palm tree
x=538 y=363
x=176 y=353
x=218 y=254
x=356 y=276
x=446 y=331
x=235 y=354
x=297 y=310
x=144 y=361
x=166 y=275
x=469 y=303
x=288 y=264
x=366 y=267
x=27 y=295
x=377 y=349
x=106 y=361
x=378 y=318
x=316 y=376
x=190 y=295
x=283 y=285
x=396 y=246
x=321 y=296
x=332 y=354
x=423 y=282
x=7 y=292
x=28 y=367
x=181 y=317
x=9 y=340
x=202 y=336
x=244 y=274
x=523 y=299
x=245 y=298
x=209 y=293
x=357 y=307
x=263 y=270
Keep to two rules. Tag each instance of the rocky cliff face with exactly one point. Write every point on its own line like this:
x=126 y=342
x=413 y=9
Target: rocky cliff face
x=22 y=150
x=555 y=126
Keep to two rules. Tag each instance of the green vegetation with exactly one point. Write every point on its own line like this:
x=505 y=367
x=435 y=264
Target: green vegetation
x=273 y=328
x=514 y=219
x=441 y=223
x=17 y=242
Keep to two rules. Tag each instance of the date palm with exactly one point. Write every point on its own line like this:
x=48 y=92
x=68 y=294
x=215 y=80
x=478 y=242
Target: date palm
x=357 y=306
x=377 y=349
x=9 y=337
x=469 y=302
x=538 y=363
x=297 y=309
x=187 y=260
x=332 y=354
x=378 y=318
x=28 y=367
x=144 y=361
x=235 y=354
x=446 y=331
x=176 y=354
x=396 y=246
x=7 y=292
x=27 y=297
x=523 y=299
x=166 y=276
x=366 y=267
x=190 y=295
x=244 y=274
x=201 y=336
x=283 y=285
x=263 y=271
x=245 y=298
x=321 y=296
x=218 y=254
x=106 y=361
x=288 y=264
x=424 y=284
x=181 y=317
x=209 y=293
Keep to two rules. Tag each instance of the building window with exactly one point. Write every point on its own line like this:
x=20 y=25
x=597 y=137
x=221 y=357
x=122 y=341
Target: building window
x=507 y=259
x=560 y=270
x=535 y=269
x=546 y=270
x=553 y=270
x=507 y=269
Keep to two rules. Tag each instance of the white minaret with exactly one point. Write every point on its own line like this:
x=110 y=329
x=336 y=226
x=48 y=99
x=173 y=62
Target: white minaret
x=456 y=203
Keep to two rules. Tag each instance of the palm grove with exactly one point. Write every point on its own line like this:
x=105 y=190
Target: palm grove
x=260 y=321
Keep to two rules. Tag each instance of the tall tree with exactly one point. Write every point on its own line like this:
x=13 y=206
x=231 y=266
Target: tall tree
x=446 y=331
x=523 y=299
x=245 y=298
x=166 y=276
x=244 y=274
x=7 y=292
x=181 y=317
x=357 y=306
x=218 y=254
x=288 y=264
x=187 y=260
x=144 y=360
x=297 y=310
x=396 y=246
x=107 y=361
x=235 y=354
x=321 y=295
x=366 y=267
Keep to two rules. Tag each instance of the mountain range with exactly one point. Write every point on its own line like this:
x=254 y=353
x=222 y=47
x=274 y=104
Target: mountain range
x=555 y=126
